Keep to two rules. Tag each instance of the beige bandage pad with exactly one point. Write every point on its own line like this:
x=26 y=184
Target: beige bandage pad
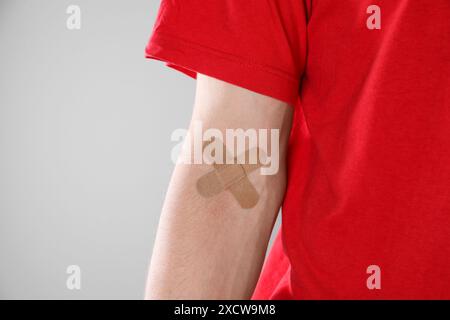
x=233 y=178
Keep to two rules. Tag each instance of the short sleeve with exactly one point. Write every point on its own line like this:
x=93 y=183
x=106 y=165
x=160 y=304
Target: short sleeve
x=259 y=45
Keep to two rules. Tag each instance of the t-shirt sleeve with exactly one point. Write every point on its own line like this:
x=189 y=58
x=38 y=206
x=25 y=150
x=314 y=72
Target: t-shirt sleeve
x=259 y=45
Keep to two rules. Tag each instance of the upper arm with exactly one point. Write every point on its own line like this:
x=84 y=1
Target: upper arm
x=225 y=106
x=239 y=115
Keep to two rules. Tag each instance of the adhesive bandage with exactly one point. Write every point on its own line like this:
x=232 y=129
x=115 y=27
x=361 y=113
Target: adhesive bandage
x=233 y=178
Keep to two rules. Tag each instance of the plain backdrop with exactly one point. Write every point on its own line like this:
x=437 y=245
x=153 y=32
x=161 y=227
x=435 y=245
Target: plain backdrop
x=85 y=125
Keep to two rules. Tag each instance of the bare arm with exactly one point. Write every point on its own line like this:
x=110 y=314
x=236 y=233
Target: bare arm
x=212 y=248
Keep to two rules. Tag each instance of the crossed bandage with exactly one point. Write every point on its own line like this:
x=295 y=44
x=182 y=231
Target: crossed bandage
x=233 y=178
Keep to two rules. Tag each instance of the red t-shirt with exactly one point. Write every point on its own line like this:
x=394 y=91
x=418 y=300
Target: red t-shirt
x=369 y=154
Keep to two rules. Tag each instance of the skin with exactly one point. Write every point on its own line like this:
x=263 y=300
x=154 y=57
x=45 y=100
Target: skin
x=211 y=248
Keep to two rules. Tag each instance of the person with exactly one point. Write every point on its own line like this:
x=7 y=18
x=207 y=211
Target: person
x=360 y=94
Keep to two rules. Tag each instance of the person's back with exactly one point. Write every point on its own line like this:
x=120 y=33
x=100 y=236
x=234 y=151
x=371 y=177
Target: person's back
x=366 y=212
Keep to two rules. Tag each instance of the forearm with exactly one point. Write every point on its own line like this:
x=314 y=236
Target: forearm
x=207 y=248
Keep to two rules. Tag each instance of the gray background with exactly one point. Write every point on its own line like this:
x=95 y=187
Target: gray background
x=85 y=125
